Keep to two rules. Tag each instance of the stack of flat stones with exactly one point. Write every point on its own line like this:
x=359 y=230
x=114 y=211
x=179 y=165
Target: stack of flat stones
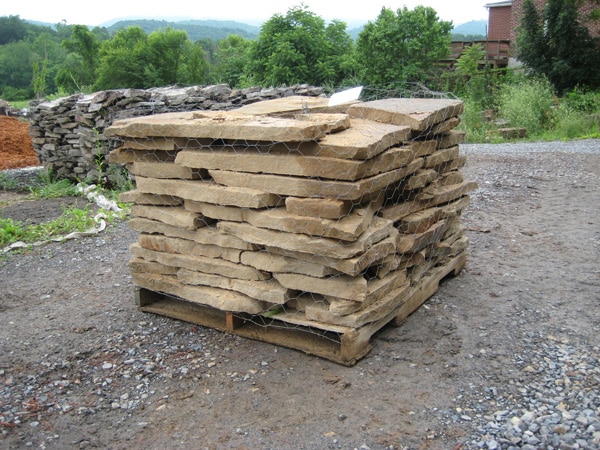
x=326 y=217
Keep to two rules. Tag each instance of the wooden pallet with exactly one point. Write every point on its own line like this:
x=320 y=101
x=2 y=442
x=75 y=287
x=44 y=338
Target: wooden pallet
x=340 y=344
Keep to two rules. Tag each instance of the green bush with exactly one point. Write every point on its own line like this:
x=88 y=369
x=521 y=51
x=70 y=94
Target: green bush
x=529 y=103
x=473 y=122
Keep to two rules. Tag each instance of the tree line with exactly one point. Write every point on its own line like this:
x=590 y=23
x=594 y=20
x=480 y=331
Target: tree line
x=296 y=47
x=398 y=47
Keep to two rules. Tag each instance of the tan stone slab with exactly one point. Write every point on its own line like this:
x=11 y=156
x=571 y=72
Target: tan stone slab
x=195 y=263
x=325 y=208
x=363 y=140
x=267 y=291
x=223 y=299
x=292 y=104
x=422 y=148
x=459 y=246
x=140 y=265
x=247 y=160
x=127 y=156
x=224 y=125
x=348 y=228
x=441 y=157
x=295 y=103
x=369 y=314
x=456 y=207
x=437 y=129
x=209 y=192
x=444 y=194
x=165 y=170
x=167 y=244
x=349 y=266
x=377 y=231
x=217 y=212
x=427 y=198
x=452 y=177
x=396 y=211
x=341 y=307
x=419 y=222
x=418 y=114
x=171 y=215
x=454 y=164
x=418 y=180
x=411 y=243
x=154 y=143
x=137 y=197
x=271 y=262
x=343 y=286
x=121 y=156
x=450 y=139
x=205 y=235
x=307 y=187
x=377 y=288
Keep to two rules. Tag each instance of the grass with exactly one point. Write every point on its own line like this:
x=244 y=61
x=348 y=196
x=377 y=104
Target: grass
x=71 y=220
x=531 y=104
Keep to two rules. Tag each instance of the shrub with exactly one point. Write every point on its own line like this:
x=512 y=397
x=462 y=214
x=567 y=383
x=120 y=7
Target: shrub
x=529 y=104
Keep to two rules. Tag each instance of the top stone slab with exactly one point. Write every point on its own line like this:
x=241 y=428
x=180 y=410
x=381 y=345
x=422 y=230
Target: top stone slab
x=230 y=125
x=417 y=113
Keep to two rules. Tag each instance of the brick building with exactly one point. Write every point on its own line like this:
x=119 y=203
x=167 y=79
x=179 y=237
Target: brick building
x=500 y=21
x=505 y=17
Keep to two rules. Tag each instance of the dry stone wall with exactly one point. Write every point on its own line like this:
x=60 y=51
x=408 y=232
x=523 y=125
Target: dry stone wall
x=68 y=133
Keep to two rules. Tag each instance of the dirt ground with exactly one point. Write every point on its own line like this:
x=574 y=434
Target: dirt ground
x=81 y=367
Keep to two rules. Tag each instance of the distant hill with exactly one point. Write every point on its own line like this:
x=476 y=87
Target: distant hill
x=473 y=28
x=196 y=29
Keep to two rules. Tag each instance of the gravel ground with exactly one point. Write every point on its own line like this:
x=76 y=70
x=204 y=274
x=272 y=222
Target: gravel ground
x=503 y=356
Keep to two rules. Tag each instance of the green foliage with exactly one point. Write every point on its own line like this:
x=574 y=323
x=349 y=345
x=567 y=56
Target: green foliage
x=231 y=58
x=79 y=69
x=473 y=122
x=8 y=183
x=402 y=46
x=72 y=219
x=298 y=48
x=122 y=60
x=164 y=57
x=528 y=104
x=47 y=186
x=133 y=59
x=553 y=43
x=12 y=29
x=15 y=71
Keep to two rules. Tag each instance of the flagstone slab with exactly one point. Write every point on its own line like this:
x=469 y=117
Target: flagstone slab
x=417 y=113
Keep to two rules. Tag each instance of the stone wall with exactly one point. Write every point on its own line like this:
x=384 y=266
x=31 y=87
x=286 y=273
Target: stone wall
x=68 y=133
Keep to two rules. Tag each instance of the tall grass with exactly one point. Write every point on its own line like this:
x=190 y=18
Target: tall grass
x=529 y=104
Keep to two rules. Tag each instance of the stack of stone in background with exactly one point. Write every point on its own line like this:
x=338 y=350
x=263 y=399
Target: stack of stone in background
x=68 y=133
x=287 y=214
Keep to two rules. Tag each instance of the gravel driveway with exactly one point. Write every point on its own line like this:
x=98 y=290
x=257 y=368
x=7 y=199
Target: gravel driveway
x=505 y=355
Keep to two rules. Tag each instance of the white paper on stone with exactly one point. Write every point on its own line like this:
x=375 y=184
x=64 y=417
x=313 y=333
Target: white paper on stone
x=347 y=96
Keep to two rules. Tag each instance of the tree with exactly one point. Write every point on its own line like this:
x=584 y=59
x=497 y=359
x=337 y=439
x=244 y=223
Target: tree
x=79 y=69
x=122 y=60
x=15 y=71
x=12 y=29
x=195 y=66
x=553 y=43
x=403 y=46
x=231 y=58
x=296 y=48
x=165 y=55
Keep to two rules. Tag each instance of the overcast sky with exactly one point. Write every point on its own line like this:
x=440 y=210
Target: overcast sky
x=247 y=11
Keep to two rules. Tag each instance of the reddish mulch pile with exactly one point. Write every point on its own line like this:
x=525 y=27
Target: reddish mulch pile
x=16 y=148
